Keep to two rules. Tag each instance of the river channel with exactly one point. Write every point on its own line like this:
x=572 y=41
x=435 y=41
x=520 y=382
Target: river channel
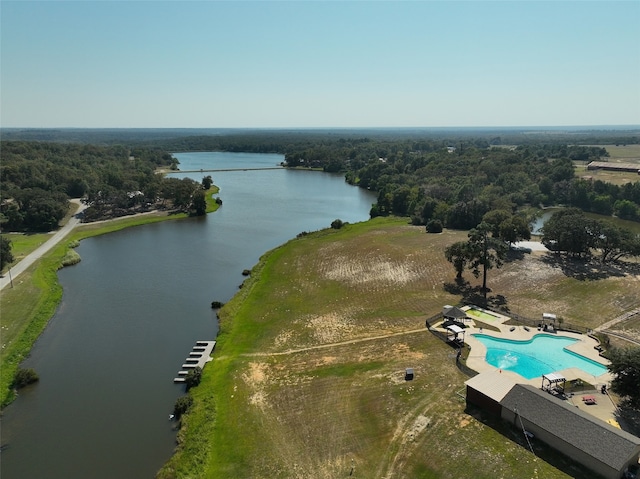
x=136 y=304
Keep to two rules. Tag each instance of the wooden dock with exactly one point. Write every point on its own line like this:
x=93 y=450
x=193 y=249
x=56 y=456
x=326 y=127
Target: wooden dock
x=199 y=356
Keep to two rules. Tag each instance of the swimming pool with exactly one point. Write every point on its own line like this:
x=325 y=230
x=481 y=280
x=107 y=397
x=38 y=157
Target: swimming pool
x=540 y=355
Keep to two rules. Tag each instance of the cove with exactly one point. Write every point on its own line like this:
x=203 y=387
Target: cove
x=135 y=305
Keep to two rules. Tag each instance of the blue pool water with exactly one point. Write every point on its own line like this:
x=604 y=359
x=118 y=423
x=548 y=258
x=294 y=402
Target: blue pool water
x=540 y=355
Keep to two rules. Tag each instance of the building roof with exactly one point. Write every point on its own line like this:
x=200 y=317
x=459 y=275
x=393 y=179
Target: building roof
x=554 y=377
x=455 y=329
x=492 y=384
x=604 y=442
x=606 y=165
x=453 y=312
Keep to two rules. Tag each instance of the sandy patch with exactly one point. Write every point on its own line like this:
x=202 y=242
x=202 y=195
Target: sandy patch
x=534 y=272
x=330 y=328
x=283 y=338
x=256 y=374
x=370 y=269
x=419 y=425
x=258 y=399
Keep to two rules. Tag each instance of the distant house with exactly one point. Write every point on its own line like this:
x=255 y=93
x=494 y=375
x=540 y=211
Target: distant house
x=594 y=443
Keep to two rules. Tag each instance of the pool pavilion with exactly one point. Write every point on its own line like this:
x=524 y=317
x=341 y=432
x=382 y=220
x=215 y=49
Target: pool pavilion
x=541 y=410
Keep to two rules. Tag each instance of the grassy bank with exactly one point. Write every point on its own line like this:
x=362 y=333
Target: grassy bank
x=26 y=308
x=308 y=375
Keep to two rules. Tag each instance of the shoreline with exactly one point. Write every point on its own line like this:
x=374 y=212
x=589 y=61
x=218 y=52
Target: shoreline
x=31 y=302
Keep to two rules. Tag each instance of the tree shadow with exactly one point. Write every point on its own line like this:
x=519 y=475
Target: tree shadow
x=590 y=268
x=516 y=254
x=475 y=294
x=628 y=418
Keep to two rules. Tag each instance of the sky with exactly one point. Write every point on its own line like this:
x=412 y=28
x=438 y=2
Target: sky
x=306 y=64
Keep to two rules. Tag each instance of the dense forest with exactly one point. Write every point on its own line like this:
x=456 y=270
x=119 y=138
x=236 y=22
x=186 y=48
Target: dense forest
x=448 y=177
x=37 y=180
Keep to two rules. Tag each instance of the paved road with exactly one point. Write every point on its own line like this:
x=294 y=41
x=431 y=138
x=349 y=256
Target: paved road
x=17 y=269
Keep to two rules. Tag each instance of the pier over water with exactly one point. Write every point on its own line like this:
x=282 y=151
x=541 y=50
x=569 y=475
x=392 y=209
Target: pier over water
x=199 y=356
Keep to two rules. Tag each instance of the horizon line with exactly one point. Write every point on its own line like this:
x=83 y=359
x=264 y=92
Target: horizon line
x=477 y=127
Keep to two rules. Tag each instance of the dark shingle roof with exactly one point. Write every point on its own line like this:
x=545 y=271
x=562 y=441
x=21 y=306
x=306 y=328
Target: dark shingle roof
x=454 y=312
x=593 y=436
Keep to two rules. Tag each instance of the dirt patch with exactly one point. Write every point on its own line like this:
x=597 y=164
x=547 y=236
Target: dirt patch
x=535 y=272
x=283 y=338
x=371 y=268
x=256 y=375
x=419 y=425
x=329 y=328
x=465 y=421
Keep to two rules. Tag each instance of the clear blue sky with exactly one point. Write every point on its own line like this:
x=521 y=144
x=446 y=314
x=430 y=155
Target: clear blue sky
x=319 y=64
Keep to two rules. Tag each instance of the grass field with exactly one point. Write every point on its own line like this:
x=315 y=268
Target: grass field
x=617 y=154
x=308 y=376
x=23 y=244
x=623 y=153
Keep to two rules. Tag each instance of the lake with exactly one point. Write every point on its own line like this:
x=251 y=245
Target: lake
x=136 y=304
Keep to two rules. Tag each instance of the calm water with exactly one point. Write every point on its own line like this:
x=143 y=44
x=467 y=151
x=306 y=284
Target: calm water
x=134 y=307
x=540 y=355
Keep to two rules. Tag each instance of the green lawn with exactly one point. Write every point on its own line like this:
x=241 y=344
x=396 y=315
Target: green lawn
x=308 y=375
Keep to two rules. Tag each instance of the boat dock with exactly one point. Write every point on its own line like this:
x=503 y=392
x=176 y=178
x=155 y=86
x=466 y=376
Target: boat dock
x=199 y=356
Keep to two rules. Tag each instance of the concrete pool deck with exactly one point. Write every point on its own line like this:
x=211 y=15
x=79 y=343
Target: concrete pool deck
x=584 y=346
x=604 y=408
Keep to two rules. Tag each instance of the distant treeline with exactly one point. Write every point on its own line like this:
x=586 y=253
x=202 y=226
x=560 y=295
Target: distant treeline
x=458 y=184
x=274 y=140
x=452 y=176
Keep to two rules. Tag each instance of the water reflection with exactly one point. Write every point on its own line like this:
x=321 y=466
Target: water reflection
x=134 y=307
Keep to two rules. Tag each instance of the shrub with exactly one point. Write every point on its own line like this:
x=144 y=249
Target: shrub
x=337 y=224
x=70 y=258
x=24 y=377
x=434 y=226
x=193 y=377
x=182 y=405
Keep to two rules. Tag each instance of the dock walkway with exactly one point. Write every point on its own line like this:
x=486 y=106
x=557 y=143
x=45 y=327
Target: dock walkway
x=199 y=356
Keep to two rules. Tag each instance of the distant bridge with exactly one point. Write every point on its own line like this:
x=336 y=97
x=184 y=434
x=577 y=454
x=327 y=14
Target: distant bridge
x=225 y=169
